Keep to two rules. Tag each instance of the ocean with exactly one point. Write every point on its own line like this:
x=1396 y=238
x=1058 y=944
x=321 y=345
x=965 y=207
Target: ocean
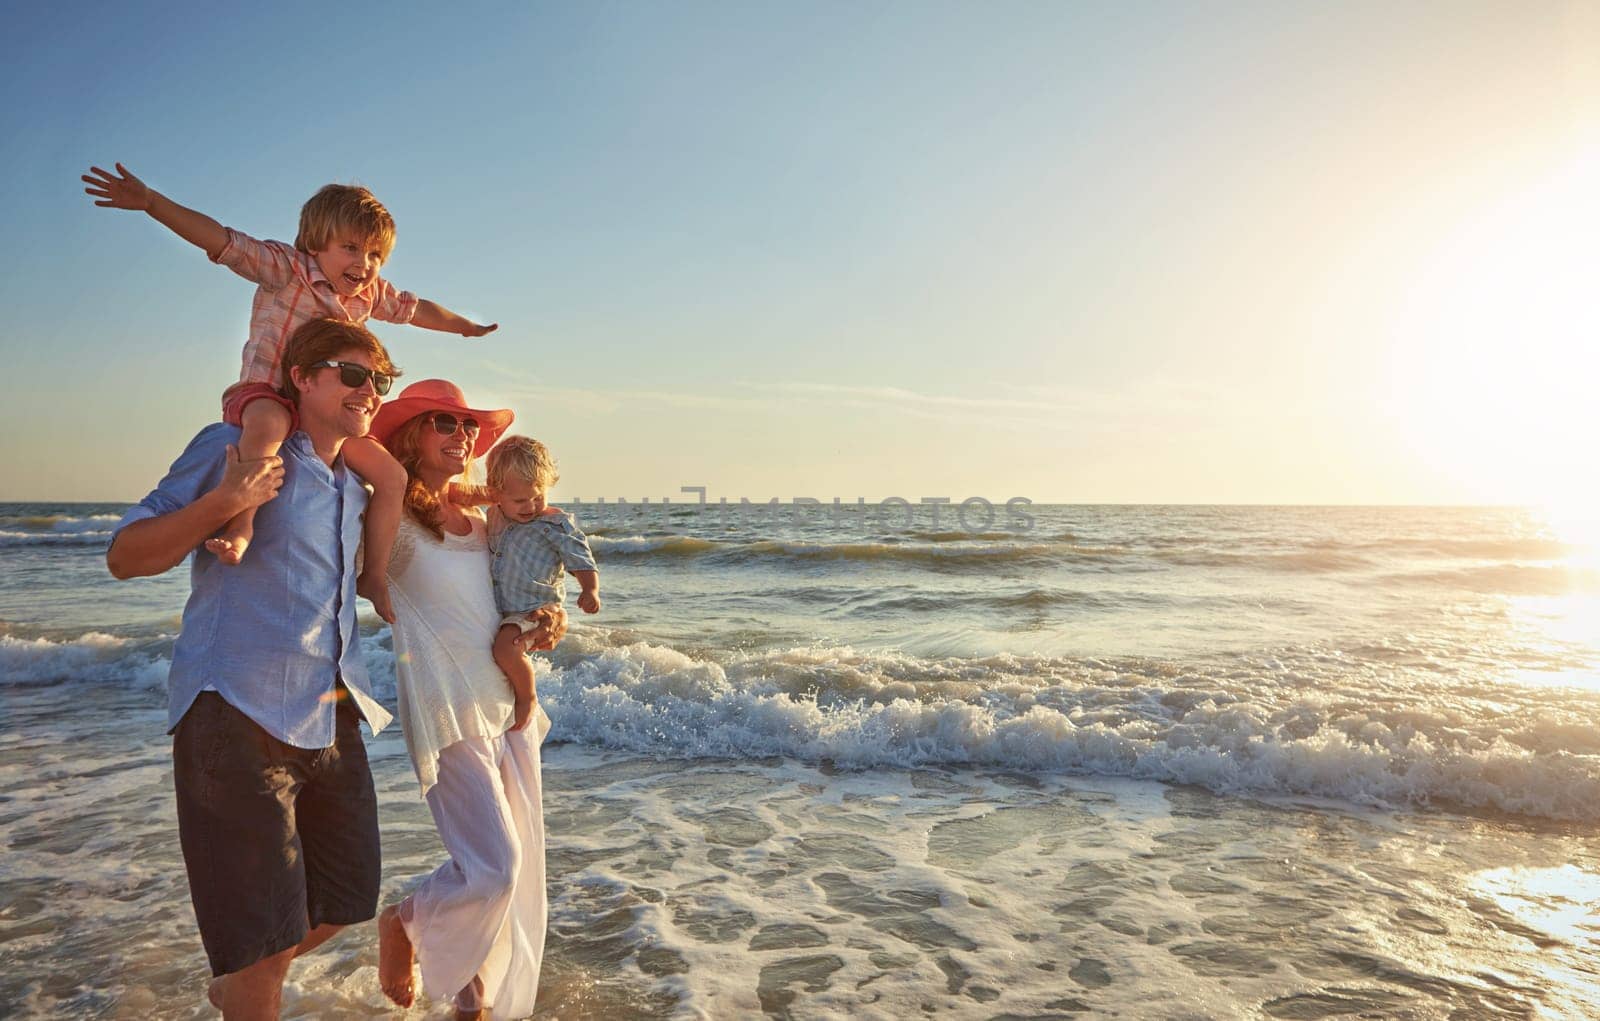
x=1095 y=761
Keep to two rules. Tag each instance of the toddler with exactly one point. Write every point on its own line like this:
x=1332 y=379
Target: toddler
x=531 y=543
x=331 y=271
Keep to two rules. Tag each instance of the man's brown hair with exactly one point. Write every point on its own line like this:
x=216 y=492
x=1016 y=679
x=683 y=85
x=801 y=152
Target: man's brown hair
x=323 y=339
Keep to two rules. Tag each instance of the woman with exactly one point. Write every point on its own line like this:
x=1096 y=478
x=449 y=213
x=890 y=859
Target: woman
x=476 y=925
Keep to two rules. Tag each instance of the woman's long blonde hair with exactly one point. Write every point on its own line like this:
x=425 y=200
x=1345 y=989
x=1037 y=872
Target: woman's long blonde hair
x=425 y=507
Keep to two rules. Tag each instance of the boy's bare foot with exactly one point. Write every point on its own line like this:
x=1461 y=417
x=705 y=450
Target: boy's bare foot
x=229 y=544
x=214 y=991
x=229 y=551
x=375 y=589
x=395 y=957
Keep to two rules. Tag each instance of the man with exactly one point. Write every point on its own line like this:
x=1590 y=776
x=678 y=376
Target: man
x=277 y=813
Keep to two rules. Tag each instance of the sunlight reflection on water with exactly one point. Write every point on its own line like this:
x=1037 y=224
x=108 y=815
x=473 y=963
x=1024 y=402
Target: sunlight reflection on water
x=1563 y=902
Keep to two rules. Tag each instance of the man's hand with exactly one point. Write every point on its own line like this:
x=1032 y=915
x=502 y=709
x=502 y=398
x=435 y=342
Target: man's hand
x=475 y=330
x=118 y=191
x=523 y=713
x=552 y=621
x=251 y=483
x=589 y=601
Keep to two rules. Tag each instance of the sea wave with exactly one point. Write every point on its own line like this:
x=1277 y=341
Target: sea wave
x=897 y=600
x=1265 y=734
x=55 y=529
x=1296 y=560
x=926 y=553
x=1439 y=560
x=1314 y=723
x=1514 y=548
x=12 y=539
x=1506 y=579
x=987 y=552
x=665 y=545
x=960 y=536
x=93 y=657
x=953 y=550
x=58 y=523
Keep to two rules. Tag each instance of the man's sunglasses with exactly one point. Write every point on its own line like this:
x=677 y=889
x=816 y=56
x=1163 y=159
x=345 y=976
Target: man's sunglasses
x=353 y=376
x=445 y=424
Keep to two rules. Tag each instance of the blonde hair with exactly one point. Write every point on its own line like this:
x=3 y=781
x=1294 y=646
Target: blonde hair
x=344 y=209
x=320 y=340
x=524 y=457
x=423 y=505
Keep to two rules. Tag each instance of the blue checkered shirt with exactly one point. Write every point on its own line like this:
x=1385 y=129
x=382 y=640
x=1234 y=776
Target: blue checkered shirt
x=529 y=557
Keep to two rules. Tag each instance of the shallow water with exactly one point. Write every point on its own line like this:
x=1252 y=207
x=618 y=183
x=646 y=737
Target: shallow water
x=1163 y=763
x=740 y=888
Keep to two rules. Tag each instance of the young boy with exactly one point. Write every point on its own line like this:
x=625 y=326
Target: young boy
x=531 y=543
x=331 y=271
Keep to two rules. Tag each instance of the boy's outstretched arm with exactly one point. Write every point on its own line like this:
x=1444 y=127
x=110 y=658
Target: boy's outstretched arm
x=433 y=316
x=124 y=191
x=465 y=494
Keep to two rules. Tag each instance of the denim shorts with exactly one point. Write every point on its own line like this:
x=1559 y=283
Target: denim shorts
x=276 y=839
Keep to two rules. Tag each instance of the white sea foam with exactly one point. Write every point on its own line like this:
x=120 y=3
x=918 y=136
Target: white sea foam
x=1297 y=724
x=141 y=663
x=93 y=657
x=1257 y=732
x=59 y=522
x=682 y=545
x=55 y=529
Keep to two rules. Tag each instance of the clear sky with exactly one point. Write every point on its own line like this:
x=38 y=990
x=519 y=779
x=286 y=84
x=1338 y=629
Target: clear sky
x=1155 y=252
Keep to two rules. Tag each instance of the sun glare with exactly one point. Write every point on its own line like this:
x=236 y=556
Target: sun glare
x=1497 y=349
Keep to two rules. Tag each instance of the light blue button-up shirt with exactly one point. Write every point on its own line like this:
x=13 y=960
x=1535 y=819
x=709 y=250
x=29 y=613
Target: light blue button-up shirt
x=274 y=633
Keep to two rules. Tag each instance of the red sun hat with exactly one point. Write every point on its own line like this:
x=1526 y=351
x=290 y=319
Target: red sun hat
x=427 y=395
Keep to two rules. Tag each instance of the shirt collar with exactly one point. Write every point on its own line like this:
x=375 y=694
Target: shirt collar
x=314 y=272
x=299 y=442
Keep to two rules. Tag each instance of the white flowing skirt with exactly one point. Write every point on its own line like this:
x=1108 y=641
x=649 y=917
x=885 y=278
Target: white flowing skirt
x=482 y=914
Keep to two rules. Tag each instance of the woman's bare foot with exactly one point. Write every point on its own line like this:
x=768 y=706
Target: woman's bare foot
x=469 y=1015
x=395 y=957
x=214 y=991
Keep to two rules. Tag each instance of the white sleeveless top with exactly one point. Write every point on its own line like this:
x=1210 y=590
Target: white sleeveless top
x=444 y=626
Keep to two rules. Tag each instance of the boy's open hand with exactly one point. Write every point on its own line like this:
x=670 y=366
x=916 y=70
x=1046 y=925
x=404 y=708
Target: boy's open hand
x=251 y=483
x=475 y=330
x=118 y=191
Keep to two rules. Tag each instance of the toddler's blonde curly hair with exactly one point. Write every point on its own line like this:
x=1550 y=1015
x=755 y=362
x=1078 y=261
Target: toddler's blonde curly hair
x=524 y=458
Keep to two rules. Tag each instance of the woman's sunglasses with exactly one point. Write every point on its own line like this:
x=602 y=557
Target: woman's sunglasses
x=446 y=424
x=353 y=376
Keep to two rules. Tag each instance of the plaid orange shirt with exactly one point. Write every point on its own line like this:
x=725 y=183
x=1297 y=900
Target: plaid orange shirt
x=292 y=292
